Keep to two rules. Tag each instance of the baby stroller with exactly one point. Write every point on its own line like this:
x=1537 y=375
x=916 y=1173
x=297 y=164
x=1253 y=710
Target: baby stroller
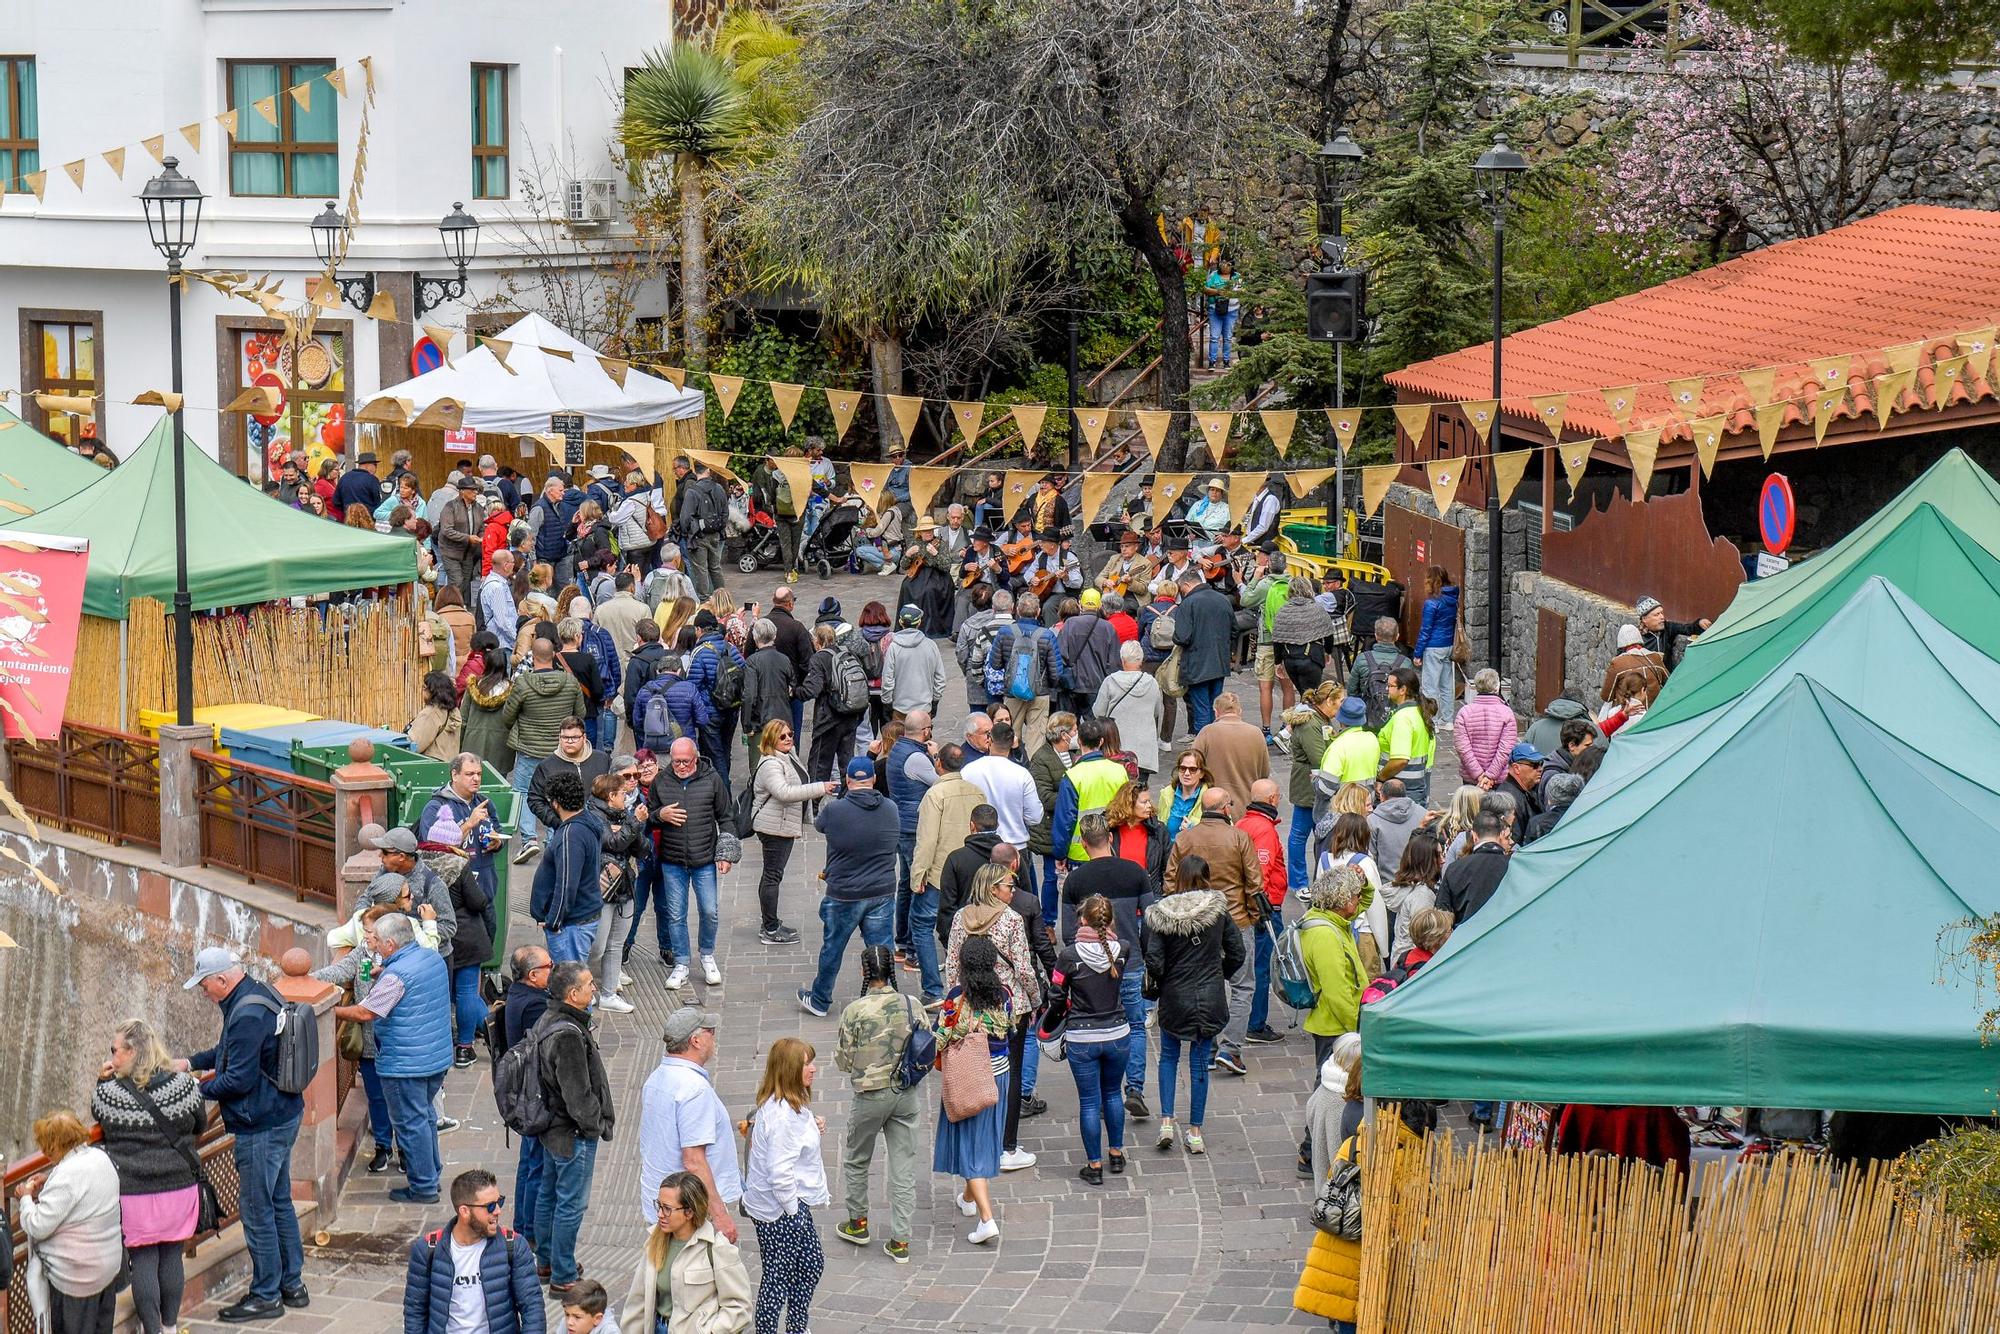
x=755 y=533
x=833 y=527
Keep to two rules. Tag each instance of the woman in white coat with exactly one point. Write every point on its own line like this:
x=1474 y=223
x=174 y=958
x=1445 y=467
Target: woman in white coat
x=778 y=797
x=72 y=1218
x=1131 y=698
x=783 y=1179
x=690 y=1280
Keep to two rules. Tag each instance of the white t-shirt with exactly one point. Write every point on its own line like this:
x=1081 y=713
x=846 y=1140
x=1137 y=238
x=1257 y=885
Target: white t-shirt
x=468 y=1299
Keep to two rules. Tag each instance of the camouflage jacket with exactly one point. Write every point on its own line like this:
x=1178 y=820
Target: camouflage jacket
x=872 y=1032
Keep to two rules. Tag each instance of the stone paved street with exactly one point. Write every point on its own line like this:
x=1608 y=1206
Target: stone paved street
x=1210 y=1243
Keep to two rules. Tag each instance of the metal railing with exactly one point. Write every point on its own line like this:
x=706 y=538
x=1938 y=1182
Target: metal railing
x=1579 y=27
x=93 y=781
x=266 y=825
x=212 y=1145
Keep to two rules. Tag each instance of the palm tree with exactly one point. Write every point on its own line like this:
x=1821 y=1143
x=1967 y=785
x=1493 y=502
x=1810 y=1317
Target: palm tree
x=686 y=102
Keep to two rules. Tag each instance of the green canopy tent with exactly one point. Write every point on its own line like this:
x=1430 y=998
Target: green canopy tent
x=39 y=471
x=1767 y=934
x=243 y=547
x=1939 y=541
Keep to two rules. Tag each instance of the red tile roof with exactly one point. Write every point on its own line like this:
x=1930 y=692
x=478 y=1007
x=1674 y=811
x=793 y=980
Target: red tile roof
x=1914 y=273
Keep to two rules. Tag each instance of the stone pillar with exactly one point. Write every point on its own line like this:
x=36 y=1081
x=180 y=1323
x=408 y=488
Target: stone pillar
x=363 y=794
x=362 y=866
x=315 y=1155
x=180 y=818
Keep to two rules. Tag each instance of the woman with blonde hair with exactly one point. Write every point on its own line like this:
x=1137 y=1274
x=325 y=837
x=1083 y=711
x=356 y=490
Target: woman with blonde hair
x=989 y=912
x=673 y=615
x=1454 y=827
x=71 y=1214
x=784 y=1177
x=150 y=1114
x=691 y=1279
x=779 y=793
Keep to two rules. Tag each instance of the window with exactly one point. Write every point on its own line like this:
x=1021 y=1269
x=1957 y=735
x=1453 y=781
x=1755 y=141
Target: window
x=311 y=380
x=20 y=149
x=489 y=132
x=297 y=158
x=61 y=352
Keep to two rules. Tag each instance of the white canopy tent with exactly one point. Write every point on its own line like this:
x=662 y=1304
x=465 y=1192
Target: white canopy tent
x=537 y=379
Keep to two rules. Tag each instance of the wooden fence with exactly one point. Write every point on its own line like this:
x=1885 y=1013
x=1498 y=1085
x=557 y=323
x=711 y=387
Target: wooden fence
x=92 y=781
x=1458 y=1238
x=267 y=826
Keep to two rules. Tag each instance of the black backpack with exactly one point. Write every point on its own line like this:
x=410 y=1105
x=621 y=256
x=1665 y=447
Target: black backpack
x=727 y=692
x=298 y=1042
x=518 y=1090
x=493 y=1030
x=1375 y=684
x=920 y=1051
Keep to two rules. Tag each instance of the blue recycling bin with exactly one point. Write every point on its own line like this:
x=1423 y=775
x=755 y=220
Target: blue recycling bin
x=272 y=747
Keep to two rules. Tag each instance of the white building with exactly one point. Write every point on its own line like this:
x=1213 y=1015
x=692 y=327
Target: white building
x=83 y=298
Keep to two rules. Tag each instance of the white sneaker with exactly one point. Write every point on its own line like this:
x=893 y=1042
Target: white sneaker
x=709 y=972
x=965 y=1206
x=678 y=977
x=1015 y=1159
x=985 y=1232
x=613 y=1002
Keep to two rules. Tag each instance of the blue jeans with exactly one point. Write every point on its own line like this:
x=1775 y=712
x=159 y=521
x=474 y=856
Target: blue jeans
x=571 y=944
x=678 y=878
x=1031 y=1062
x=466 y=1001
x=923 y=939
x=868 y=557
x=416 y=1126
x=650 y=887
x=1100 y=1094
x=1135 y=1014
x=607 y=731
x=1260 y=999
x=528 y=1186
x=874 y=917
x=564 y=1195
x=1050 y=900
x=1199 y=1055
x=1296 y=861
x=524 y=774
x=906 y=856
x=1221 y=333
x=379 y=1125
x=1201 y=703
x=264 y=1198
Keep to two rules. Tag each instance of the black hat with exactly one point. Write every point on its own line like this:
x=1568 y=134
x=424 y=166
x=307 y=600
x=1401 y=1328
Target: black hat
x=829 y=606
x=1146 y=479
x=1047 y=535
x=1177 y=544
x=982 y=534
x=705 y=620
x=470 y=483
x=367 y=456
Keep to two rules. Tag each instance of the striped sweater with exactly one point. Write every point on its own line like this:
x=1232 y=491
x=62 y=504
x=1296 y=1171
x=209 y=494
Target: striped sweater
x=149 y=1159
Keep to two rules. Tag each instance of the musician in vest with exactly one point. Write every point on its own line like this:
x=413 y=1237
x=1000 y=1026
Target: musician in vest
x=1051 y=510
x=1089 y=786
x=910 y=771
x=1129 y=571
x=1054 y=571
x=410 y=1007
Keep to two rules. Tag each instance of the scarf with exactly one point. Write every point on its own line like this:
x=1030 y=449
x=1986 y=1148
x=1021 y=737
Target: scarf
x=1300 y=622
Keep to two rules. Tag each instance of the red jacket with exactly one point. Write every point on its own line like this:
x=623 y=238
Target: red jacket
x=495 y=538
x=1261 y=824
x=1125 y=625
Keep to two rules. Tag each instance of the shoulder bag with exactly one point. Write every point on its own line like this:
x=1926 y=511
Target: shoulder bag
x=208 y=1212
x=1337 y=1210
x=966 y=1072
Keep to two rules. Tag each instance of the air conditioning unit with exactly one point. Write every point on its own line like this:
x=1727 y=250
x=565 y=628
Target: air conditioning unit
x=589 y=203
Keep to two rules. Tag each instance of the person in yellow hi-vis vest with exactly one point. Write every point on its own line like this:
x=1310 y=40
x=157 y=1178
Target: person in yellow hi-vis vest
x=1355 y=754
x=1088 y=786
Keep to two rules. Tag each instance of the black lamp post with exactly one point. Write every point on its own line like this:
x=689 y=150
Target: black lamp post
x=458 y=231
x=173 y=214
x=1495 y=171
x=1338 y=157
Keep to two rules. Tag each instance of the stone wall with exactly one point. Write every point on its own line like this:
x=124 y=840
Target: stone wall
x=1472 y=595
x=1589 y=643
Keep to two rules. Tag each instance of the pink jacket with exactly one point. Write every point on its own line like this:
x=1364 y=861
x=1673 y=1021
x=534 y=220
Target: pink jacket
x=1484 y=731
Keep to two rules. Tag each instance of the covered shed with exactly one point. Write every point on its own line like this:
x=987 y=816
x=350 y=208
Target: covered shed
x=39 y=472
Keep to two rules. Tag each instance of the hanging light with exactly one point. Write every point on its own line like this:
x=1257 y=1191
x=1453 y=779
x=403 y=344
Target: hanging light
x=173 y=211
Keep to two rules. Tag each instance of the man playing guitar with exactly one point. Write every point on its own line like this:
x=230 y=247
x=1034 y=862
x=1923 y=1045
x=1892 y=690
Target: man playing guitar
x=982 y=563
x=1054 y=571
x=1128 y=571
x=1177 y=564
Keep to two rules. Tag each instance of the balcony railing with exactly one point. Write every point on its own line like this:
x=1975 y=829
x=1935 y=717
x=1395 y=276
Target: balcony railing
x=92 y=781
x=266 y=825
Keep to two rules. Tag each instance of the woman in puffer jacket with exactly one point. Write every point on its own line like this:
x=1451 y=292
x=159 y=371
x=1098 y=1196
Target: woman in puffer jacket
x=1330 y=1286
x=1191 y=946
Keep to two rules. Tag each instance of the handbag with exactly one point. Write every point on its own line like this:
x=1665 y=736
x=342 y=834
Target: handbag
x=1337 y=1210
x=208 y=1210
x=1461 y=647
x=966 y=1072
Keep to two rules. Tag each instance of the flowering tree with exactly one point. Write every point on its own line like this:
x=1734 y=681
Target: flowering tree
x=1743 y=141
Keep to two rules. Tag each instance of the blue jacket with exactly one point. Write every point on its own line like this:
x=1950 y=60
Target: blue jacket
x=905 y=791
x=243 y=1061
x=687 y=702
x=566 y=890
x=597 y=643
x=506 y=1279
x=861 y=841
x=414 y=1038
x=1440 y=624
x=705 y=664
x=552 y=535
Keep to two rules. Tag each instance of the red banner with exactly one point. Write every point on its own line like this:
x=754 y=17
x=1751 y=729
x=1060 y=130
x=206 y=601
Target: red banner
x=41 y=607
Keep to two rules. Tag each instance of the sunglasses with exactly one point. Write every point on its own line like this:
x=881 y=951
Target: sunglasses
x=1190 y=768
x=493 y=1207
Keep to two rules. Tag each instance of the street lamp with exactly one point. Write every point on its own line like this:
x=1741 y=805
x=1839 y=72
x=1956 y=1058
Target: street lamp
x=458 y=232
x=1338 y=157
x=1495 y=172
x=172 y=205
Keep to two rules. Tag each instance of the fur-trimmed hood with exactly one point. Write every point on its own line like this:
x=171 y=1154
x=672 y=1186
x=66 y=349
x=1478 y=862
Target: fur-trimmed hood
x=488 y=699
x=1187 y=913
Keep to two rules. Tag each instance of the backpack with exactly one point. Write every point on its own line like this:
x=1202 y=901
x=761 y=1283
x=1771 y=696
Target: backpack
x=430 y=632
x=920 y=1051
x=1375 y=685
x=1288 y=966
x=518 y=1091
x=656 y=522
x=1337 y=1210
x=1169 y=676
x=850 y=676
x=979 y=647
x=298 y=1042
x=727 y=692
x=1162 y=634
x=1275 y=597
x=1024 y=668
x=657 y=724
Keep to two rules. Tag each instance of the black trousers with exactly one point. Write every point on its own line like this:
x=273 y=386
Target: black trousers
x=832 y=742
x=777 y=855
x=1017 y=1054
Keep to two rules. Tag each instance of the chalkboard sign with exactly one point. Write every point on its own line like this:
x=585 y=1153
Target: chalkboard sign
x=569 y=425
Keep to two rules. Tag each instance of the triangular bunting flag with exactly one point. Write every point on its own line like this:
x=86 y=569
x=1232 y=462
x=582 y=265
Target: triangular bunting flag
x=1758 y=384
x=1028 y=418
x=871 y=481
x=1243 y=488
x=1707 y=433
x=1415 y=419
x=383 y=307
x=1575 y=456
x=322 y=292
x=83 y=405
x=842 y=403
x=1643 y=448
x=1978 y=349
x=560 y=353
x=1825 y=404
x=1686 y=395
x=74 y=170
x=337 y=80
x=160 y=398
x=501 y=348
x=367 y=64
x=1480 y=414
x=302 y=93
x=1303 y=480
x=1903 y=356
x=1770 y=419
x=115 y=159
x=1153 y=425
x=797 y=471
x=229 y=120
x=192 y=133
x=727 y=388
x=267 y=107
x=1618 y=402
x=1214 y=427
x=1508 y=470
x=615 y=367
x=38 y=181
x=1018 y=488
x=924 y=484
x=263 y=399
x=1889 y=391
x=968 y=415
x=1551 y=408
x=786 y=396
x=1444 y=477
x=1375 y=483
x=1279 y=423
x=1168 y=487
x=1097 y=485
x=674 y=375
x=1830 y=372
x=157 y=146
x=717 y=460
x=1345 y=422
x=1091 y=422
x=906 y=410
x=446 y=414
x=1946 y=373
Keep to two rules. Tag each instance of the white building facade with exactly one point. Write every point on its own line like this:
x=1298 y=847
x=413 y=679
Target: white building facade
x=508 y=106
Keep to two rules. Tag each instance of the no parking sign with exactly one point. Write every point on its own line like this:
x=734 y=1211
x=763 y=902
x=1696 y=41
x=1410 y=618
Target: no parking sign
x=1777 y=514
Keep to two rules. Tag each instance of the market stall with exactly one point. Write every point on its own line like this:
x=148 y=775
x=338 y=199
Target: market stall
x=39 y=472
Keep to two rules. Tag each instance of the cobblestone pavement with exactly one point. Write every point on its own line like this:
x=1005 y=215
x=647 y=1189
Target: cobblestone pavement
x=1195 y=1244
